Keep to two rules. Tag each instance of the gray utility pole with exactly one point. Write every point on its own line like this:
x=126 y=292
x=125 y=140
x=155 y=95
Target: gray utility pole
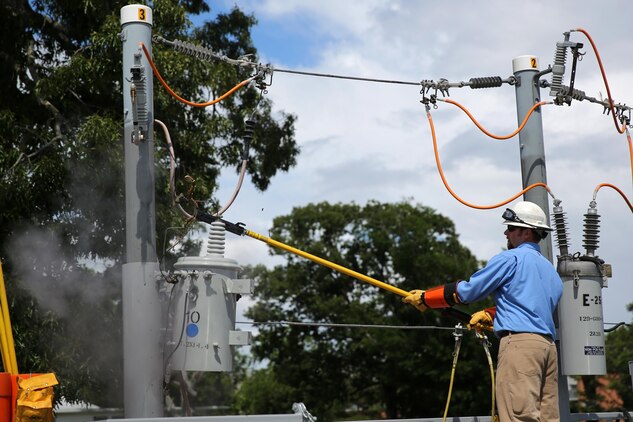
x=142 y=352
x=531 y=138
x=533 y=171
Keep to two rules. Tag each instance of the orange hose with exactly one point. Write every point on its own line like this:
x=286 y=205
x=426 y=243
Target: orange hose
x=179 y=98
x=468 y=204
x=604 y=77
x=527 y=116
x=609 y=185
x=628 y=138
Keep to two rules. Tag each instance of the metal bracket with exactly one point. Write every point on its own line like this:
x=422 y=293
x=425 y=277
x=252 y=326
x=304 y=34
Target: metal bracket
x=138 y=93
x=240 y=338
x=576 y=276
x=243 y=286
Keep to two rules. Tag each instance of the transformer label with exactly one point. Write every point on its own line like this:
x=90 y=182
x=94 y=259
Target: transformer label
x=594 y=350
x=588 y=318
x=196 y=345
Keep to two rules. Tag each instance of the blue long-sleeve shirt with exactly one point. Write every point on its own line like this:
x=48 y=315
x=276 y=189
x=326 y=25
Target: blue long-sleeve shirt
x=525 y=288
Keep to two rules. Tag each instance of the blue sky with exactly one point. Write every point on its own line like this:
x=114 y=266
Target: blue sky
x=294 y=40
x=363 y=141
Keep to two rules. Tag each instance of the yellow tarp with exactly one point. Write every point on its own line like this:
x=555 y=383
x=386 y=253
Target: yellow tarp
x=35 y=399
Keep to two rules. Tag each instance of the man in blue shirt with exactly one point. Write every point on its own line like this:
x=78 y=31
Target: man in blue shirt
x=526 y=289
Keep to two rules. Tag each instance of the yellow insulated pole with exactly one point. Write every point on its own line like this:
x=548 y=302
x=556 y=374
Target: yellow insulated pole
x=6 y=329
x=6 y=360
x=452 y=312
x=240 y=230
x=326 y=263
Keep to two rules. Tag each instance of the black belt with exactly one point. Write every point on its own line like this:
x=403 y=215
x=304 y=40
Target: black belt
x=502 y=334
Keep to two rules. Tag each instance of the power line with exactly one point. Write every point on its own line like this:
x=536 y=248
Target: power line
x=334 y=325
x=353 y=78
x=203 y=53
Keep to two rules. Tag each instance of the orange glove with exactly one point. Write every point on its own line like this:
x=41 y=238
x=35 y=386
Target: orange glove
x=416 y=298
x=481 y=320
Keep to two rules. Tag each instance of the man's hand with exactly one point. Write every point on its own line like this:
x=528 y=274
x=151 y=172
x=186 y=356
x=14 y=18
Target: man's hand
x=481 y=320
x=415 y=298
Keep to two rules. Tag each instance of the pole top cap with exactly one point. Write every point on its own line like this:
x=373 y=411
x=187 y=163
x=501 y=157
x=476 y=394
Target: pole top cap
x=136 y=13
x=526 y=62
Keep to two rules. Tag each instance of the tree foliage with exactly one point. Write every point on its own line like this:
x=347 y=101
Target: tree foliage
x=393 y=372
x=62 y=214
x=619 y=353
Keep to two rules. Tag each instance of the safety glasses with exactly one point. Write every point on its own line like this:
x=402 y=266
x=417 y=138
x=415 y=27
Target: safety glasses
x=510 y=215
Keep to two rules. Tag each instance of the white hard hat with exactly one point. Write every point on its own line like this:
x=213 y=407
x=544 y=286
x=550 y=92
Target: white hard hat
x=526 y=214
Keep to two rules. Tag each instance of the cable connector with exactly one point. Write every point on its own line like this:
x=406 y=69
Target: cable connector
x=458 y=333
x=235 y=228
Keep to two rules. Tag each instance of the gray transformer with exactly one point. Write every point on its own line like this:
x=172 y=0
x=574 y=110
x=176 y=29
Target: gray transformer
x=204 y=309
x=580 y=316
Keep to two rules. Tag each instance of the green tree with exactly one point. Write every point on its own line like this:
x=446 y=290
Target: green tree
x=249 y=399
x=401 y=373
x=619 y=354
x=62 y=213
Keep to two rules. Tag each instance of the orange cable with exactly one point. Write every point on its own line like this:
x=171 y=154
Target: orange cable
x=468 y=204
x=609 y=185
x=179 y=98
x=604 y=77
x=628 y=138
x=527 y=116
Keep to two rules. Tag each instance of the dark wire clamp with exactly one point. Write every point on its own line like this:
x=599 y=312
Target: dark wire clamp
x=235 y=228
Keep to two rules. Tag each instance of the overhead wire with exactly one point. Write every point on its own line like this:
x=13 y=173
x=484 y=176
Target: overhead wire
x=499 y=137
x=338 y=325
x=611 y=107
x=609 y=185
x=604 y=78
x=457 y=197
x=184 y=101
x=172 y=171
x=457 y=333
x=618 y=190
x=353 y=78
x=172 y=177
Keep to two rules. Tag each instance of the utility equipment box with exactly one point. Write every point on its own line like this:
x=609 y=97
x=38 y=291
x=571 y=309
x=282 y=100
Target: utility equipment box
x=580 y=316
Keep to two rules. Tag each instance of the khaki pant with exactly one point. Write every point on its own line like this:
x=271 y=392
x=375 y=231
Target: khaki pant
x=527 y=379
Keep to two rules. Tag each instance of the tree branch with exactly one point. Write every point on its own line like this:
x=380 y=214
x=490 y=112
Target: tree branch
x=46 y=24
